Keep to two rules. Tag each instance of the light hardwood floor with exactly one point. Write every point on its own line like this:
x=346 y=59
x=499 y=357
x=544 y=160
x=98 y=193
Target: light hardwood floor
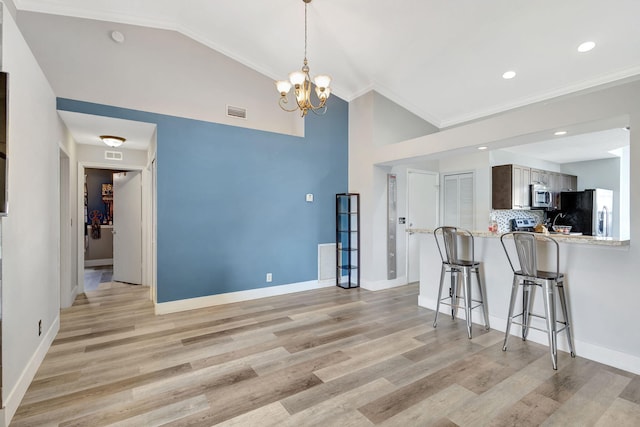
x=330 y=357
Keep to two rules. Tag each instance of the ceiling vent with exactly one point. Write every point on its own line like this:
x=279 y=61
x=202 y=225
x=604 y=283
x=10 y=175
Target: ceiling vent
x=237 y=112
x=113 y=155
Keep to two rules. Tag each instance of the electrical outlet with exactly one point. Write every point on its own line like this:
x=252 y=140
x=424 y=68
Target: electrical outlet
x=269 y=277
x=39 y=327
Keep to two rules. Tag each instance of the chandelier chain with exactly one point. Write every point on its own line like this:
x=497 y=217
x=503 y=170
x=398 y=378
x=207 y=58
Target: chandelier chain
x=305 y=31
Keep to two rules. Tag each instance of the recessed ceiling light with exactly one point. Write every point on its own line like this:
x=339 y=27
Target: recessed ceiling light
x=483 y=147
x=560 y=132
x=117 y=36
x=586 y=47
x=509 y=75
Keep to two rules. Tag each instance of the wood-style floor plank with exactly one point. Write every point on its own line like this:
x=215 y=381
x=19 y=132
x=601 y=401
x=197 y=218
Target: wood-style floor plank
x=328 y=357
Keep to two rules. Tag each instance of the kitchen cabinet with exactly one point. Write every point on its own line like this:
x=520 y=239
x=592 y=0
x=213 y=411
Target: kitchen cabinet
x=568 y=183
x=540 y=176
x=510 y=187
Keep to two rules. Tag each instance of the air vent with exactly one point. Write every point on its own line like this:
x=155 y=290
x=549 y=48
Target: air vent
x=237 y=112
x=113 y=155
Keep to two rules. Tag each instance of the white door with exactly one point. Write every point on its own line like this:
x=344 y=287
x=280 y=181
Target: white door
x=422 y=212
x=459 y=205
x=127 y=227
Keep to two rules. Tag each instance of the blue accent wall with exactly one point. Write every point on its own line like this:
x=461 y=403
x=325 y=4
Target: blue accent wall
x=231 y=200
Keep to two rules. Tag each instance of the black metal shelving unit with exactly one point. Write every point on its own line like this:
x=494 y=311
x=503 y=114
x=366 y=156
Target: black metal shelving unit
x=348 y=240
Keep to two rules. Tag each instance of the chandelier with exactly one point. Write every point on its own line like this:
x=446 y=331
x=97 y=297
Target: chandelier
x=301 y=83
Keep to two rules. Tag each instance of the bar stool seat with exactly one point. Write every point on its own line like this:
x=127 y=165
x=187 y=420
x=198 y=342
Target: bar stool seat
x=528 y=276
x=454 y=245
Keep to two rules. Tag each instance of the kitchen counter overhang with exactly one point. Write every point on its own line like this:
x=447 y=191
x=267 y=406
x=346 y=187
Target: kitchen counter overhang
x=582 y=240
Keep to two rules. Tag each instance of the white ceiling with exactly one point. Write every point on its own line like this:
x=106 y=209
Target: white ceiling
x=576 y=148
x=85 y=129
x=442 y=60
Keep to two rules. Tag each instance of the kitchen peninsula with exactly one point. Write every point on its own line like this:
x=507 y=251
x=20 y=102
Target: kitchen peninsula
x=592 y=287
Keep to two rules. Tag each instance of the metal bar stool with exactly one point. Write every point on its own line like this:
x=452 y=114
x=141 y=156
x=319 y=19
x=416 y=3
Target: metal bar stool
x=458 y=244
x=528 y=275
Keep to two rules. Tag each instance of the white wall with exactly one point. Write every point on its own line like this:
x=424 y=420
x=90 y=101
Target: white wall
x=396 y=124
x=197 y=81
x=30 y=234
x=95 y=154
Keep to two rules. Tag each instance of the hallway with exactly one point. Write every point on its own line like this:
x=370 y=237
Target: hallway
x=94 y=276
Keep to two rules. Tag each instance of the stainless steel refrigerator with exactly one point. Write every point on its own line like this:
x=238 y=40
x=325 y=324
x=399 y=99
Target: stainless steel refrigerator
x=589 y=212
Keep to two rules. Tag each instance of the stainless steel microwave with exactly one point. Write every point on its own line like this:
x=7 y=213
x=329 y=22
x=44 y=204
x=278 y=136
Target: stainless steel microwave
x=540 y=196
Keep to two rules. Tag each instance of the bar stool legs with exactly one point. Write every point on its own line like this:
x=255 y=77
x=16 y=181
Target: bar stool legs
x=550 y=314
x=462 y=274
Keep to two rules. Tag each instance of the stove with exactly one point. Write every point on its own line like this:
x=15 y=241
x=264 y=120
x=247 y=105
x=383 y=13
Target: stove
x=523 y=224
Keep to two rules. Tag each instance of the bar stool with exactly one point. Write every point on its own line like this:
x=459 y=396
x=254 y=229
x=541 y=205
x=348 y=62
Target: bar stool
x=528 y=275
x=458 y=244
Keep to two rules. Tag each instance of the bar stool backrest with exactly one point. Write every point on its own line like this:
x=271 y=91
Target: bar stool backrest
x=451 y=236
x=526 y=249
x=525 y=244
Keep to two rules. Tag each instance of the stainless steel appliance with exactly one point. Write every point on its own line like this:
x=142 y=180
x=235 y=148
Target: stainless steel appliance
x=588 y=211
x=541 y=197
x=523 y=224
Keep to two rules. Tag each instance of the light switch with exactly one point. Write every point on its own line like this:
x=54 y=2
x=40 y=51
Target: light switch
x=309 y=197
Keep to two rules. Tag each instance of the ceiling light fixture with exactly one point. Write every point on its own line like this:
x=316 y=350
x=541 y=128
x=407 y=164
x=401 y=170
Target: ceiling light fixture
x=560 y=133
x=509 y=75
x=301 y=83
x=586 y=47
x=482 y=147
x=112 y=141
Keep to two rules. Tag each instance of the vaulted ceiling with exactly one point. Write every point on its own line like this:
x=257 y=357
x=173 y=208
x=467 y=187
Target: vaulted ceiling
x=442 y=60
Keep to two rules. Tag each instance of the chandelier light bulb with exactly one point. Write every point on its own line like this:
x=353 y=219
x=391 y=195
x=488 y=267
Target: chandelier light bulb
x=283 y=87
x=296 y=78
x=322 y=81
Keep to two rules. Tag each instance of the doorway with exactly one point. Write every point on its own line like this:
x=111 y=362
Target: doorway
x=134 y=210
x=422 y=213
x=66 y=224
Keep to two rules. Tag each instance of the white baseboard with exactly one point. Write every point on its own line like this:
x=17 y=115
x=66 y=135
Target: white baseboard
x=326 y=283
x=379 y=285
x=14 y=396
x=212 y=300
x=98 y=262
x=606 y=356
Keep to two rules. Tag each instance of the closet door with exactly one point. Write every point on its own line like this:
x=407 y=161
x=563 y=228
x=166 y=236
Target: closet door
x=458 y=202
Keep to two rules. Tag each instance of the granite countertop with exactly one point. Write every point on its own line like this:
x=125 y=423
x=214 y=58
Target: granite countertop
x=567 y=238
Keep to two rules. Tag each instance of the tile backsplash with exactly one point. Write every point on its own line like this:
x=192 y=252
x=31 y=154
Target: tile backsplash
x=503 y=217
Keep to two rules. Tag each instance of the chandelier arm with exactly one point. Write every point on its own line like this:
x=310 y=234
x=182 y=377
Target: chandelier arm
x=284 y=100
x=320 y=111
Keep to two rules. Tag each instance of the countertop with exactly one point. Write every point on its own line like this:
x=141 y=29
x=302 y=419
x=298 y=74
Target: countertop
x=584 y=240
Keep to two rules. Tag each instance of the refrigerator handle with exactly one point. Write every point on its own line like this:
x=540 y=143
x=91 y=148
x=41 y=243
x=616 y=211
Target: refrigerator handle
x=604 y=222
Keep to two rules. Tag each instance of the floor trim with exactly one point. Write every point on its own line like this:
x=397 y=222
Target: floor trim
x=212 y=300
x=14 y=397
